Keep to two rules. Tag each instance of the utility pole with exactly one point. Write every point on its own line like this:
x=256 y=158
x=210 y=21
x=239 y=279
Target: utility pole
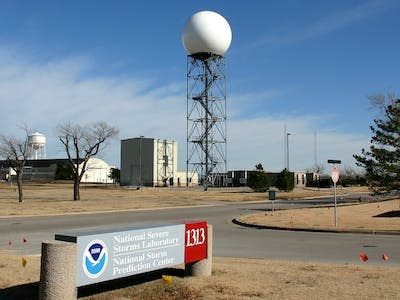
x=140 y=161
x=287 y=150
x=315 y=149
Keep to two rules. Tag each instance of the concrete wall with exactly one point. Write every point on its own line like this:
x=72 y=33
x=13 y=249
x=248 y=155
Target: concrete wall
x=180 y=179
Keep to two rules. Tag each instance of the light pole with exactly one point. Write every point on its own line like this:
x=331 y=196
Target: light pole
x=140 y=161
x=287 y=150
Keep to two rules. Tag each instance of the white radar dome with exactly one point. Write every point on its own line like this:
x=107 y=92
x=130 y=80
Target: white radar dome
x=207 y=31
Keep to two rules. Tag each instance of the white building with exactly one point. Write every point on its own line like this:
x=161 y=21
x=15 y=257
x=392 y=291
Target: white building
x=97 y=171
x=300 y=179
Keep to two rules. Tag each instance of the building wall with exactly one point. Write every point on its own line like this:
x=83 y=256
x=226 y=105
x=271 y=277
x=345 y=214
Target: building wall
x=239 y=178
x=180 y=179
x=300 y=179
x=159 y=163
x=40 y=169
x=97 y=170
x=137 y=162
x=166 y=163
x=39 y=172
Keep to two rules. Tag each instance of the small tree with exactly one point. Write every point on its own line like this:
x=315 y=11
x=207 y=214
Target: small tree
x=258 y=180
x=382 y=161
x=115 y=175
x=349 y=177
x=285 y=180
x=259 y=167
x=64 y=171
x=83 y=142
x=16 y=152
x=318 y=169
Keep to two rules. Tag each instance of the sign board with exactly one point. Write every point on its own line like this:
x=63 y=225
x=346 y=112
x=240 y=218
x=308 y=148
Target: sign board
x=103 y=256
x=334 y=161
x=195 y=241
x=335 y=174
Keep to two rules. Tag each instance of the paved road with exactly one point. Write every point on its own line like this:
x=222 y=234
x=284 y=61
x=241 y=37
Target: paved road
x=229 y=240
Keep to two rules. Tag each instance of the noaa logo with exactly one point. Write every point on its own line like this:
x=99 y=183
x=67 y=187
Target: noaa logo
x=95 y=258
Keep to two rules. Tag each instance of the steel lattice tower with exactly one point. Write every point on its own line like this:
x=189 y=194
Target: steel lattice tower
x=206 y=119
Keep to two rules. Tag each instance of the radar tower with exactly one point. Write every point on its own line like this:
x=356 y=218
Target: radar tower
x=206 y=37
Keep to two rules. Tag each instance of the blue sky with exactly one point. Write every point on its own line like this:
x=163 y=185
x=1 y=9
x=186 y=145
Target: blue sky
x=309 y=64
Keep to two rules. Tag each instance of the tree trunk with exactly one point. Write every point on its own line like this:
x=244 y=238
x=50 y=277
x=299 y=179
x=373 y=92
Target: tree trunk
x=20 y=190
x=76 y=189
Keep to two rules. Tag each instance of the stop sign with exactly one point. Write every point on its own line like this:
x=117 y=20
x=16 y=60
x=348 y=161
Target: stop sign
x=335 y=174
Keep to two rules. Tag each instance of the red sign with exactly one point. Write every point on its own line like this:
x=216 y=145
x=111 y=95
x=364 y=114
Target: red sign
x=335 y=174
x=195 y=241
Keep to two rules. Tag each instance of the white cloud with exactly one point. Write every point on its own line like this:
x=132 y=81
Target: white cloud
x=44 y=95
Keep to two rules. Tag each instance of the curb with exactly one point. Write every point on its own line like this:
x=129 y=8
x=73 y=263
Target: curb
x=305 y=229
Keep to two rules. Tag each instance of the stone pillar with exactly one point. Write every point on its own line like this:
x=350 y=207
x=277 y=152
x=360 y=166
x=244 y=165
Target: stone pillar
x=204 y=266
x=58 y=271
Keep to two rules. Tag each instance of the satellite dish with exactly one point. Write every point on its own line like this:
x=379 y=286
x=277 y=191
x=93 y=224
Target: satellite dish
x=207 y=32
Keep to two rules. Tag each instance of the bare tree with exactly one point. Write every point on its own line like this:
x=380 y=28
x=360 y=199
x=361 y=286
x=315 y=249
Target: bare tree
x=16 y=152
x=318 y=169
x=379 y=102
x=83 y=142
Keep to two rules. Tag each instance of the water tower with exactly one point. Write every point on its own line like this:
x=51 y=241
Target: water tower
x=37 y=145
x=206 y=37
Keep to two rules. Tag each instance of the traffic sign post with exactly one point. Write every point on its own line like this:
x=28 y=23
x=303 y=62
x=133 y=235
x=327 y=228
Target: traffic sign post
x=335 y=178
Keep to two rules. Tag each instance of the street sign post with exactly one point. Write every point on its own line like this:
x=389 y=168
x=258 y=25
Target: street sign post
x=335 y=178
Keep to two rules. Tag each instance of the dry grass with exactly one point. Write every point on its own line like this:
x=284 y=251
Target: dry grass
x=154 y=290
x=233 y=279
x=12 y=273
x=378 y=216
x=264 y=279
x=56 y=198
x=300 y=193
